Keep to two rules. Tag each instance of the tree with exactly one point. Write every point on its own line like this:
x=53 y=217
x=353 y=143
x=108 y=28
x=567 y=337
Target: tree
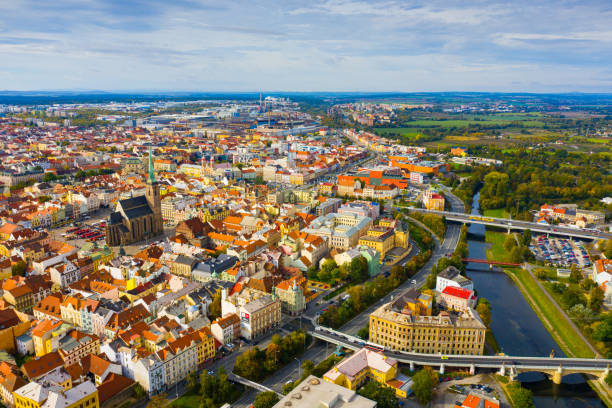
x=214 y=309
x=603 y=331
x=516 y=255
x=307 y=367
x=430 y=283
x=158 y=401
x=207 y=403
x=484 y=310
x=609 y=379
x=596 y=299
x=526 y=237
x=424 y=382
x=575 y=274
x=192 y=380
x=572 y=296
x=43 y=199
x=364 y=333
x=580 y=312
x=139 y=392
x=265 y=399
x=384 y=396
x=521 y=397
x=19 y=268
x=510 y=242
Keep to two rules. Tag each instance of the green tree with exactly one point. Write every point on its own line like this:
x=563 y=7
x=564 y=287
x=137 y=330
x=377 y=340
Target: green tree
x=509 y=242
x=580 y=312
x=526 y=237
x=43 y=199
x=214 y=309
x=430 y=283
x=572 y=296
x=596 y=299
x=265 y=399
x=384 y=396
x=424 y=382
x=139 y=392
x=521 y=397
x=207 y=403
x=288 y=387
x=609 y=379
x=603 y=331
x=158 y=401
x=575 y=274
x=364 y=333
x=516 y=255
x=192 y=380
x=307 y=367
x=19 y=268
x=484 y=310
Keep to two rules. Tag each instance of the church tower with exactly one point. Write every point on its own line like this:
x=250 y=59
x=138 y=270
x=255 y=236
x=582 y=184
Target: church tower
x=154 y=198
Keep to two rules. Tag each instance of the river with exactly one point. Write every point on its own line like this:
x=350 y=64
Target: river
x=520 y=332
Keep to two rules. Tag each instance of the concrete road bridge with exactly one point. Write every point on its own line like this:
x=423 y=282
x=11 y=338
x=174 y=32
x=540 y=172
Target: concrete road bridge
x=555 y=368
x=510 y=224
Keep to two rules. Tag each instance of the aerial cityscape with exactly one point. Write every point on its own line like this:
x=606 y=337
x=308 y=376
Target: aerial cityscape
x=324 y=204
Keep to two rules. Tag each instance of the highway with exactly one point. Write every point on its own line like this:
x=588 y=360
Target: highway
x=517 y=224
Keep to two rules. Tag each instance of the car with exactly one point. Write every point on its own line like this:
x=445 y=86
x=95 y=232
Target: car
x=444 y=358
x=211 y=372
x=413 y=282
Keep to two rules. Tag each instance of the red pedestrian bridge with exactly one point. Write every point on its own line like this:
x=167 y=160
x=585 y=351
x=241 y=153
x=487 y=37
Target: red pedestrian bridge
x=484 y=261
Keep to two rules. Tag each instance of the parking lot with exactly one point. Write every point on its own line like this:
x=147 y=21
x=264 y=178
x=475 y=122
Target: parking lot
x=561 y=252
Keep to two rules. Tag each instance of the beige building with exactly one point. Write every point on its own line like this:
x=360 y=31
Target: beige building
x=291 y=294
x=398 y=328
x=258 y=311
x=341 y=231
x=314 y=392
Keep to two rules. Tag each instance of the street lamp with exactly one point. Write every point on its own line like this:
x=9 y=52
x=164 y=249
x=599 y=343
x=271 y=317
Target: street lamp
x=299 y=368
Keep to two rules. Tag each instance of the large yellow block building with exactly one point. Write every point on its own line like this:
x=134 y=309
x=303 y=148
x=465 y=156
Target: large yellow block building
x=379 y=238
x=400 y=325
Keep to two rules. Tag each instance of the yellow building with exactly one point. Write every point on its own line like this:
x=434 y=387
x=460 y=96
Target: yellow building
x=205 y=345
x=366 y=364
x=379 y=238
x=46 y=335
x=433 y=201
x=35 y=395
x=401 y=325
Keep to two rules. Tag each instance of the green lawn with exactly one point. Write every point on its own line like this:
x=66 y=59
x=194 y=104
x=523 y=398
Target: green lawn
x=496 y=213
x=562 y=332
x=496 y=251
x=189 y=400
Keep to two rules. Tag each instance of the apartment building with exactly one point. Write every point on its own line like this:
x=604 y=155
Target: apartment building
x=226 y=329
x=396 y=328
x=180 y=358
x=291 y=294
x=76 y=345
x=258 y=311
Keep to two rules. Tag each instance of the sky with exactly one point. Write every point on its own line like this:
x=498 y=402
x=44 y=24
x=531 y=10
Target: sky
x=287 y=45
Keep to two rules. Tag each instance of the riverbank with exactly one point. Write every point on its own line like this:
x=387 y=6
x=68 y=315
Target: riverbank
x=559 y=327
x=552 y=317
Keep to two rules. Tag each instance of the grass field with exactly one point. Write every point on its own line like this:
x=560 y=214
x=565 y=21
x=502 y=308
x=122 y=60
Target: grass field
x=496 y=213
x=562 y=332
x=496 y=251
x=188 y=400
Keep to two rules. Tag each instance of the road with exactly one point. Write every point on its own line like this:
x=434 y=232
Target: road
x=517 y=224
x=451 y=239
